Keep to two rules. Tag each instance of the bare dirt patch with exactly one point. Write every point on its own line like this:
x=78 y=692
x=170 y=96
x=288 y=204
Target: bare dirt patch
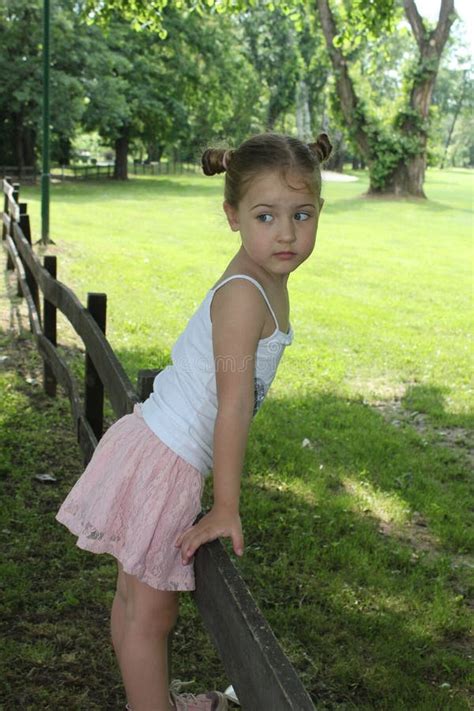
x=456 y=438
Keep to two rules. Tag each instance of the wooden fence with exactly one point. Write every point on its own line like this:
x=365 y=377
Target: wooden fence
x=29 y=174
x=262 y=676
x=83 y=172
x=26 y=173
x=74 y=172
x=170 y=167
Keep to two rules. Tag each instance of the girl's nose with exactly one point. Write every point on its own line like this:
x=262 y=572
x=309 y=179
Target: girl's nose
x=287 y=231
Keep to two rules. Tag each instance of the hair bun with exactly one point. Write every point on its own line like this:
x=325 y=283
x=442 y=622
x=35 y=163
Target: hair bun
x=215 y=160
x=322 y=147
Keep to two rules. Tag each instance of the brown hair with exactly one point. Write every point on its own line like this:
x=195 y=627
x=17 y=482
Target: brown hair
x=266 y=151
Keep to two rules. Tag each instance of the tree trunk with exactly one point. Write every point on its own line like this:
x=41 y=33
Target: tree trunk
x=397 y=167
x=29 y=146
x=121 y=155
x=338 y=154
x=154 y=151
x=407 y=178
x=409 y=175
x=64 y=150
x=272 y=114
x=303 y=116
x=353 y=113
x=18 y=139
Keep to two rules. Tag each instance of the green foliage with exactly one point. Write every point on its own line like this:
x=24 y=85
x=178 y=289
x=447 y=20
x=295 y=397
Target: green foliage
x=151 y=14
x=361 y=25
x=272 y=47
x=21 y=75
x=373 y=16
x=389 y=150
x=452 y=140
x=114 y=80
x=422 y=70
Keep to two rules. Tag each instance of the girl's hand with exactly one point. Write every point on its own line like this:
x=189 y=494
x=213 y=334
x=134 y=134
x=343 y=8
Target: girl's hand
x=213 y=525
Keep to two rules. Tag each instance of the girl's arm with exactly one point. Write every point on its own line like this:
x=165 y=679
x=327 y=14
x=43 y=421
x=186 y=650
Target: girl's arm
x=238 y=317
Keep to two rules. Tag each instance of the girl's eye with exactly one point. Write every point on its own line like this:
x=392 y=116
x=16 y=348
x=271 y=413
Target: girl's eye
x=263 y=217
x=302 y=216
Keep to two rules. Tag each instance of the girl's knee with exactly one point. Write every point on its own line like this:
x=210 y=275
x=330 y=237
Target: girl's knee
x=153 y=611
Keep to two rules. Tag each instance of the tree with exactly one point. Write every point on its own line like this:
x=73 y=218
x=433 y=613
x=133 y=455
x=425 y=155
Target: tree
x=458 y=148
x=452 y=141
x=175 y=90
x=396 y=158
x=272 y=49
x=188 y=85
x=21 y=78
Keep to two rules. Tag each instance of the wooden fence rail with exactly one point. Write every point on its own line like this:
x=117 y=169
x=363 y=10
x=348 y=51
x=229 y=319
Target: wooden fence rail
x=262 y=676
x=83 y=172
x=25 y=173
x=170 y=167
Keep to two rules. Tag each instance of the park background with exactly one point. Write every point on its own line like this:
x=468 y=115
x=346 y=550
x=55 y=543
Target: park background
x=357 y=500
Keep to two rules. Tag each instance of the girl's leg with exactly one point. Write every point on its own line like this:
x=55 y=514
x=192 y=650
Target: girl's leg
x=149 y=616
x=117 y=617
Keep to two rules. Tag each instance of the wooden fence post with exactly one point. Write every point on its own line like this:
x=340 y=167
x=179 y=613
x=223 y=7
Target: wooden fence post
x=94 y=389
x=145 y=382
x=49 y=328
x=16 y=195
x=30 y=279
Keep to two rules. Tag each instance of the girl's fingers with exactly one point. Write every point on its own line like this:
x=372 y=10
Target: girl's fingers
x=238 y=543
x=191 y=539
x=196 y=539
x=179 y=540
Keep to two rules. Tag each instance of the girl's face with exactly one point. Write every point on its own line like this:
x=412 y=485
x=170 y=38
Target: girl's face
x=277 y=223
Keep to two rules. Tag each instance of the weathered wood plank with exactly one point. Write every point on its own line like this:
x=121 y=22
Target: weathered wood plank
x=13 y=209
x=25 y=228
x=7 y=188
x=49 y=327
x=94 y=390
x=262 y=676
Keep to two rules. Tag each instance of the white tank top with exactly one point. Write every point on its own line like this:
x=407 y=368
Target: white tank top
x=182 y=407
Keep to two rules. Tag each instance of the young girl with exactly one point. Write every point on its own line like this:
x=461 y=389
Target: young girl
x=141 y=492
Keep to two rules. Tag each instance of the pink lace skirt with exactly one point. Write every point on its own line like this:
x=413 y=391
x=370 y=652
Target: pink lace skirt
x=133 y=500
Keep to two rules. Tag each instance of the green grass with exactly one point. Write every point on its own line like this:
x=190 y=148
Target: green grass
x=382 y=313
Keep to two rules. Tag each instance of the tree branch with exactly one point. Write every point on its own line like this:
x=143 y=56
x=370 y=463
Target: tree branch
x=439 y=35
x=349 y=102
x=447 y=15
x=416 y=21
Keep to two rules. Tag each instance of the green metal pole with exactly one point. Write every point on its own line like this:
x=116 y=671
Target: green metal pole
x=45 y=173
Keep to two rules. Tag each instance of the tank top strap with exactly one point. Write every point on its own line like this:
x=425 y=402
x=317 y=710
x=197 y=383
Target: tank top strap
x=257 y=284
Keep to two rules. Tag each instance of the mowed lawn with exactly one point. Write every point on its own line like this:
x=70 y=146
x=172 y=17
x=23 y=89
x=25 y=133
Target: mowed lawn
x=357 y=498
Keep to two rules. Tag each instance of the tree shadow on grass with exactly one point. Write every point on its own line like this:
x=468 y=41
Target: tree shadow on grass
x=387 y=470
x=351 y=610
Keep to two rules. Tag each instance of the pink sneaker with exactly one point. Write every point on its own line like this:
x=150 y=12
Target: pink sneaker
x=210 y=701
